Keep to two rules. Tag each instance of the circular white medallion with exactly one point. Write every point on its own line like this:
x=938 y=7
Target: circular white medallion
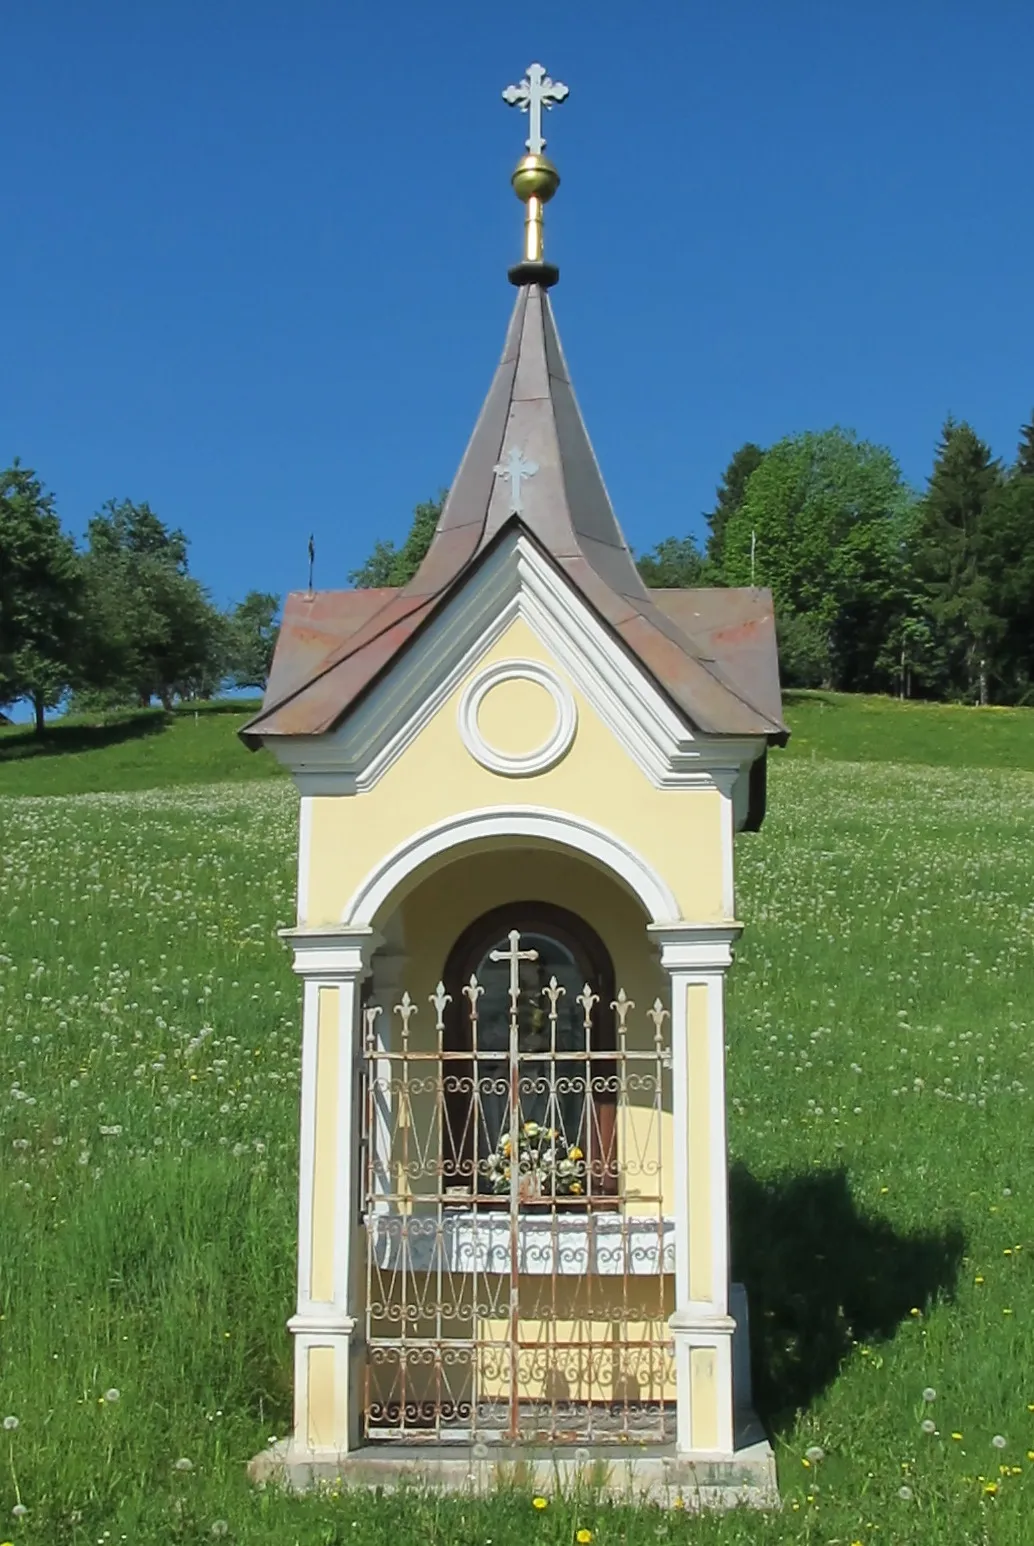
x=517 y=764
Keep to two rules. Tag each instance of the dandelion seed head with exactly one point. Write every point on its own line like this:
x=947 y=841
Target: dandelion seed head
x=814 y=1454
x=10 y=1423
x=906 y=1494
x=183 y=1464
x=999 y=1441
x=113 y=1394
x=929 y=1394
x=928 y=1425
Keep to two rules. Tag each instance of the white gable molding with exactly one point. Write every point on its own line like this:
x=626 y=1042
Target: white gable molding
x=522 y=764
x=515 y=582
x=495 y=825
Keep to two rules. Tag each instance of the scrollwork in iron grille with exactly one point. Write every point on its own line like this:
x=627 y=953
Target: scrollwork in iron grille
x=518 y=1306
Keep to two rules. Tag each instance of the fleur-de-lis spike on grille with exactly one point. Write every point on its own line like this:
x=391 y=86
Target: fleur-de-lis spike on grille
x=439 y=999
x=370 y=1014
x=621 y=1006
x=553 y=992
x=658 y=1014
x=473 y=990
x=405 y=1009
x=587 y=998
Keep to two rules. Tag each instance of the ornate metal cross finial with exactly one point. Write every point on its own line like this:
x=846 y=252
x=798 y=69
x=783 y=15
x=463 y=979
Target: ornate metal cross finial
x=515 y=468
x=515 y=955
x=535 y=92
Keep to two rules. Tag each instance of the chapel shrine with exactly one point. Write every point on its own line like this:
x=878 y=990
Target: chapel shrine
x=520 y=778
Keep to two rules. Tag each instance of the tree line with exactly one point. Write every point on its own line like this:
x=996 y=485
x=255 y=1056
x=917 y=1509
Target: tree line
x=877 y=587
x=119 y=620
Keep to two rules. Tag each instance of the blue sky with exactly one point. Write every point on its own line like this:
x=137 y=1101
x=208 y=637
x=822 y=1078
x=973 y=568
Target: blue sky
x=254 y=258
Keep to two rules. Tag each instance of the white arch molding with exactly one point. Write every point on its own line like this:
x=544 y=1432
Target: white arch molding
x=498 y=823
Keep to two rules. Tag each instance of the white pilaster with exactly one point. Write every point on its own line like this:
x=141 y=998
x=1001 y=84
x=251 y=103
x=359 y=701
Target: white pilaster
x=328 y=1323
x=696 y=958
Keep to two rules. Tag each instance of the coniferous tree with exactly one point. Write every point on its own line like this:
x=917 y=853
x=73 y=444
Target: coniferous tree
x=1024 y=464
x=950 y=557
x=1007 y=558
x=729 y=497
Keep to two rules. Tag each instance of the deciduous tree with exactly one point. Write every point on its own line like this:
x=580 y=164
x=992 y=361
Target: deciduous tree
x=251 y=636
x=40 y=595
x=675 y=563
x=152 y=629
x=389 y=565
x=823 y=522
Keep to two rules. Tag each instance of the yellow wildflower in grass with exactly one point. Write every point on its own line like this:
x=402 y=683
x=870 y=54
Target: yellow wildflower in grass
x=991 y=1488
x=956 y=1435
x=540 y=1502
x=583 y=1537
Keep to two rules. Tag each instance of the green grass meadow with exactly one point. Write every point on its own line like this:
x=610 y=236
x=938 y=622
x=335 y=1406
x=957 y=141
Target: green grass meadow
x=881 y=1123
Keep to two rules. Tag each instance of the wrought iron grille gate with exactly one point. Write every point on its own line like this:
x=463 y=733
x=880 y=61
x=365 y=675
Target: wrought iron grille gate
x=518 y=1249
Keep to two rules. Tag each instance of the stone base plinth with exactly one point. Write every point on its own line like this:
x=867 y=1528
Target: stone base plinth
x=645 y=1474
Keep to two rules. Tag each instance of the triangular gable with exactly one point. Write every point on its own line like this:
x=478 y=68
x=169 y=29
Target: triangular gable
x=515 y=580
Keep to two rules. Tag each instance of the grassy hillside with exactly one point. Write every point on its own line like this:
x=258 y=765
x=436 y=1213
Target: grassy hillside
x=132 y=749
x=855 y=727
x=147 y=749
x=881 y=1079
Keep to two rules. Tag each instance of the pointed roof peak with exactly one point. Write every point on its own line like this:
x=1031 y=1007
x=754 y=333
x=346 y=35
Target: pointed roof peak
x=530 y=457
x=529 y=462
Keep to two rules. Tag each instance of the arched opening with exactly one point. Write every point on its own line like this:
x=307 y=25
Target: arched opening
x=528 y=1073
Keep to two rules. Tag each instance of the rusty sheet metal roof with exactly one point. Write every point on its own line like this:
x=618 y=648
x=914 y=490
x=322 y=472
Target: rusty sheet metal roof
x=737 y=627
x=333 y=647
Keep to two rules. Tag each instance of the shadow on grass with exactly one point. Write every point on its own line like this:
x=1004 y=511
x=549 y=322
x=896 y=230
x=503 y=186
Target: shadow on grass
x=819 y=1275
x=794 y=697
x=82 y=737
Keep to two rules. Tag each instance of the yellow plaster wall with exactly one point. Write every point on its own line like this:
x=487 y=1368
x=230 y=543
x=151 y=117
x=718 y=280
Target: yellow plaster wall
x=516 y=717
x=677 y=832
x=324 y=1189
x=320 y=1427
x=703 y=1397
x=698 y=1059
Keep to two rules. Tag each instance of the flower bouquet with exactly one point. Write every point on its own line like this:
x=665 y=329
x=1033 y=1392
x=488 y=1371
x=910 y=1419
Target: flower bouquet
x=547 y=1166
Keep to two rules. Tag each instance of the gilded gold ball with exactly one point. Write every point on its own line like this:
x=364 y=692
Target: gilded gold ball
x=535 y=177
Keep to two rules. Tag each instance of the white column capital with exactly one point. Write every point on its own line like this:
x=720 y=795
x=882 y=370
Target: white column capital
x=695 y=947
x=332 y=954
